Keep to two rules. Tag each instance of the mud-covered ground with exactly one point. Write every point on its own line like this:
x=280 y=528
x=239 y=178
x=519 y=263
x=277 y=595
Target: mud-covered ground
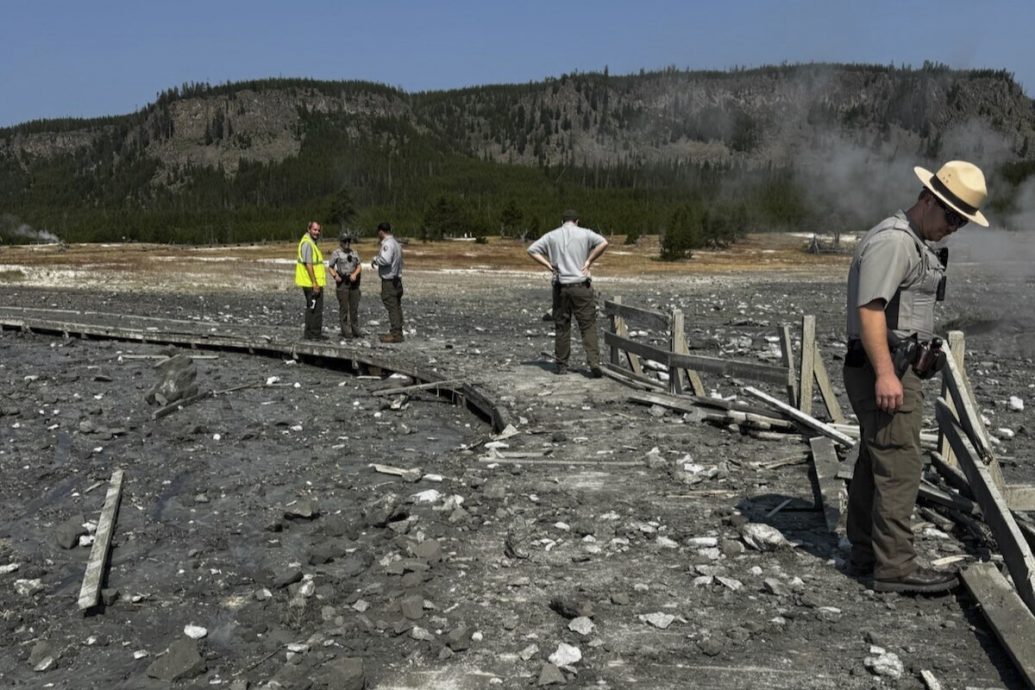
x=255 y=514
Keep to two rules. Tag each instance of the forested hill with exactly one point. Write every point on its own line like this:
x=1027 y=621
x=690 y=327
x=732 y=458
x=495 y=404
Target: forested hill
x=774 y=147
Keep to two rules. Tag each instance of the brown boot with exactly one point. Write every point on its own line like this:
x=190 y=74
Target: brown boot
x=391 y=338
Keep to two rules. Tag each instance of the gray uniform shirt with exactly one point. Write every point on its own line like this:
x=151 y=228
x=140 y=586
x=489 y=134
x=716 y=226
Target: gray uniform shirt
x=567 y=248
x=389 y=259
x=893 y=264
x=344 y=262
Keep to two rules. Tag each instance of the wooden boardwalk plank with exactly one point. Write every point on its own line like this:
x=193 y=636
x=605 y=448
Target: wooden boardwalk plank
x=799 y=416
x=828 y=486
x=90 y=592
x=1012 y=623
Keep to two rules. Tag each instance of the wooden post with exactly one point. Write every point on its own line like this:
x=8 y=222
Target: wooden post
x=90 y=592
x=957 y=350
x=826 y=391
x=621 y=330
x=827 y=490
x=808 y=358
x=681 y=347
x=675 y=374
x=1011 y=622
x=788 y=361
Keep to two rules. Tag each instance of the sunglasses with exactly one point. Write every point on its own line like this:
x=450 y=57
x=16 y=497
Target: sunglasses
x=952 y=217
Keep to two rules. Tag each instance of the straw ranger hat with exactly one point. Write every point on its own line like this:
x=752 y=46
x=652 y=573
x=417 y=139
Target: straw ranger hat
x=959 y=184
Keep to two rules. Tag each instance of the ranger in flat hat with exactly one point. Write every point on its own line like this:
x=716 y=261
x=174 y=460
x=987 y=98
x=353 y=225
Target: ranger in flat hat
x=893 y=283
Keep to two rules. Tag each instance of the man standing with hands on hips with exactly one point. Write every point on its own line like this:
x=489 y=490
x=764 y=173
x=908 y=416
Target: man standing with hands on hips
x=893 y=283
x=311 y=276
x=389 y=265
x=567 y=253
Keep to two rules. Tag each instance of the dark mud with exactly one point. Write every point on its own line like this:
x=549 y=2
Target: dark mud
x=256 y=516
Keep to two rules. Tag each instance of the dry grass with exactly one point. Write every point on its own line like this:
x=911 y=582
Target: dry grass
x=757 y=253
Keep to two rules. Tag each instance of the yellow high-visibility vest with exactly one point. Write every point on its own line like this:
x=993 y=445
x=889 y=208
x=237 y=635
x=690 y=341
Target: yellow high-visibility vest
x=302 y=275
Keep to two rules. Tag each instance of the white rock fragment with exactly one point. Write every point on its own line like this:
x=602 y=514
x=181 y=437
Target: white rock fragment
x=1016 y=404
x=361 y=605
x=422 y=634
x=429 y=496
x=887 y=665
x=762 y=537
x=1004 y=432
x=730 y=582
x=9 y=568
x=582 y=625
x=194 y=632
x=702 y=541
x=703 y=580
x=528 y=652
x=566 y=655
x=140 y=654
x=27 y=588
x=658 y=620
x=666 y=543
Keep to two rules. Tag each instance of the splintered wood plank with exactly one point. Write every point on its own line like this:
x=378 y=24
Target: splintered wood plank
x=826 y=390
x=787 y=352
x=1016 y=552
x=808 y=360
x=1021 y=496
x=90 y=593
x=648 y=317
x=675 y=374
x=828 y=493
x=799 y=416
x=957 y=350
x=1012 y=623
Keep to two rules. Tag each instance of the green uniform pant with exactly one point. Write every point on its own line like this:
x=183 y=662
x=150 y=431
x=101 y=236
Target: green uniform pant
x=887 y=475
x=313 y=313
x=348 y=307
x=577 y=300
x=391 y=296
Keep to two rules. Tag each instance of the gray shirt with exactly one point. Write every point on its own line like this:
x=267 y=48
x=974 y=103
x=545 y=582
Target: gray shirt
x=891 y=263
x=389 y=260
x=567 y=248
x=344 y=262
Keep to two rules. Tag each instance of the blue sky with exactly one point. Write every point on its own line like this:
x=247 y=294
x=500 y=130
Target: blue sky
x=62 y=58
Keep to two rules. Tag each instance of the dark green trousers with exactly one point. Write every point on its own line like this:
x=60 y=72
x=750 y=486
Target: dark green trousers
x=391 y=297
x=578 y=301
x=313 y=313
x=887 y=476
x=348 y=308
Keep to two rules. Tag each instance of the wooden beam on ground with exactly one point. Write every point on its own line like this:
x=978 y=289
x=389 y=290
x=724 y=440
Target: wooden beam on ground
x=180 y=404
x=1016 y=552
x=630 y=378
x=93 y=580
x=828 y=487
x=787 y=352
x=670 y=401
x=808 y=362
x=1021 y=497
x=848 y=466
x=932 y=494
x=451 y=384
x=952 y=474
x=1012 y=623
x=799 y=416
x=957 y=350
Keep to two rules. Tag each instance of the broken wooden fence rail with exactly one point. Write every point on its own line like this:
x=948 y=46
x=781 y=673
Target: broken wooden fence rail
x=1012 y=543
x=812 y=368
x=799 y=416
x=672 y=323
x=451 y=384
x=90 y=593
x=1013 y=625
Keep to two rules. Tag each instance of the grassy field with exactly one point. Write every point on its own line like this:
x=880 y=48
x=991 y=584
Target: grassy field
x=757 y=253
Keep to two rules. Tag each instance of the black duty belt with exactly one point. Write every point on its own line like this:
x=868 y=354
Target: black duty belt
x=584 y=283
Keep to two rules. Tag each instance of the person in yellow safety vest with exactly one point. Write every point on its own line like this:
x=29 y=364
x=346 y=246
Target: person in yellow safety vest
x=311 y=276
